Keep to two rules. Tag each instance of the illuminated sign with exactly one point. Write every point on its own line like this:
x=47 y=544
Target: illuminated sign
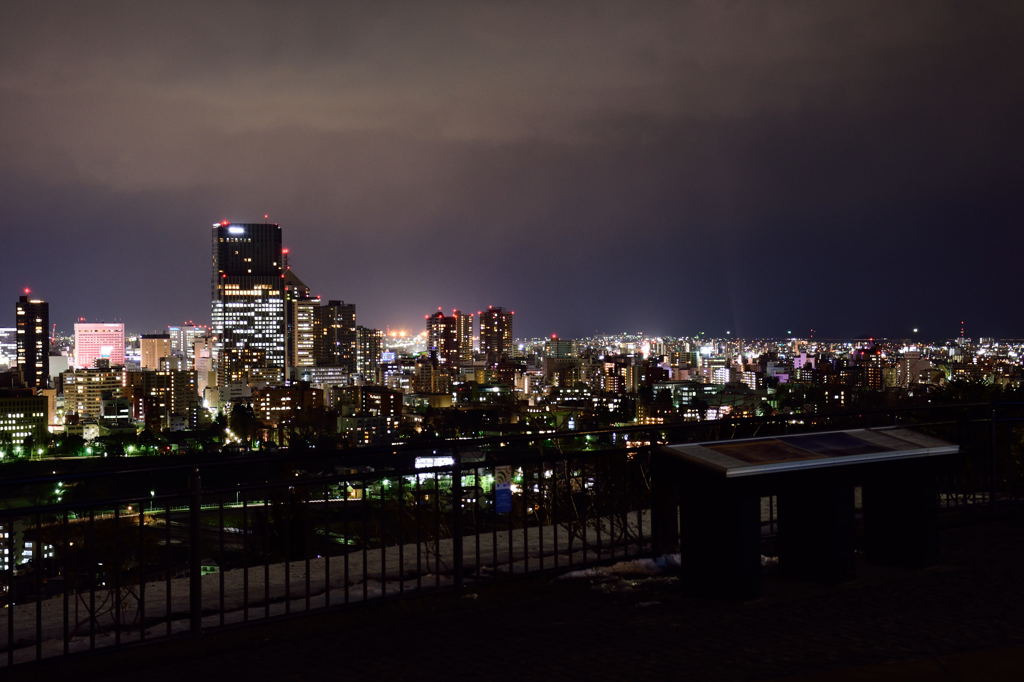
x=234 y=229
x=430 y=462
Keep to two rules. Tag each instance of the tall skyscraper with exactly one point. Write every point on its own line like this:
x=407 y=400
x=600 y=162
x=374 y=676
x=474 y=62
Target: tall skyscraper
x=496 y=333
x=369 y=344
x=248 y=307
x=302 y=331
x=335 y=344
x=98 y=341
x=33 y=340
x=300 y=312
x=451 y=337
x=441 y=338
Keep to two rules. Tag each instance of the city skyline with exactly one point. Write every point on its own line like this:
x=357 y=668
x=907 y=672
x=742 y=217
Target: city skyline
x=850 y=168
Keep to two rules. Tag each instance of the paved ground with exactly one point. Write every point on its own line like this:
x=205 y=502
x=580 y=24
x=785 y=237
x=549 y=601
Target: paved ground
x=962 y=619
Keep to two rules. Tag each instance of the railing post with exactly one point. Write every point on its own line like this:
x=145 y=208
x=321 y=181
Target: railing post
x=664 y=503
x=457 y=529
x=195 y=582
x=994 y=438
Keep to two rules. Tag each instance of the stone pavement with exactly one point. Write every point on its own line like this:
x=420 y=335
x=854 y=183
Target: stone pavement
x=962 y=619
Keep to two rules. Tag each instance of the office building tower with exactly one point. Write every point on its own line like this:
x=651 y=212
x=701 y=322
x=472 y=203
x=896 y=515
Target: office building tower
x=464 y=336
x=183 y=339
x=369 y=344
x=300 y=311
x=8 y=347
x=98 y=341
x=558 y=348
x=203 y=364
x=303 y=331
x=335 y=331
x=248 y=307
x=84 y=389
x=496 y=333
x=32 y=322
x=451 y=338
x=153 y=347
x=22 y=415
x=442 y=339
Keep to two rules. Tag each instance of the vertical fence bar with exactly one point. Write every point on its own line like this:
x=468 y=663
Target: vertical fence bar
x=601 y=466
x=91 y=542
x=457 y=529
x=494 y=525
x=116 y=574
x=167 y=568
x=66 y=548
x=642 y=494
x=382 y=540
x=511 y=530
x=9 y=527
x=245 y=559
x=476 y=518
x=541 y=507
x=553 y=493
x=327 y=545
x=287 y=507
x=307 y=531
x=222 y=563
x=437 y=529
x=399 y=510
x=526 y=518
x=142 y=571
x=347 y=536
x=364 y=540
x=419 y=534
x=582 y=509
x=195 y=578
x=37 y=569
x=265 y=544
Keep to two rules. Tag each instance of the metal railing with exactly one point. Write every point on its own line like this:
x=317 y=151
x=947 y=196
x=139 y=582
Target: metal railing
x=242 y=539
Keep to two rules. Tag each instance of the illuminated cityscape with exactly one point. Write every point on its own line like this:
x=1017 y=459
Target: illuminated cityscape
x=276 y=352
x=511 y=340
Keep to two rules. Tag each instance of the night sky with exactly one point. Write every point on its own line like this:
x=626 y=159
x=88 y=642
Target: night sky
x=670 y=167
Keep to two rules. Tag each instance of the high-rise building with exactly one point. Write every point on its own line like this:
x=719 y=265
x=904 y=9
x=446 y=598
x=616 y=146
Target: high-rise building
x=183 y=339
x=84 y=389
x=248 y=307
x=22 y=415
x=464 y=336
x=152 y=347
x=451 y=337
x=496 y=333
x=33 y=340
x=98 y=341
x=335 y=342
x=301 y=308
x=303 y=331
x=8 y=347
x=369 y=344
x=558 y=348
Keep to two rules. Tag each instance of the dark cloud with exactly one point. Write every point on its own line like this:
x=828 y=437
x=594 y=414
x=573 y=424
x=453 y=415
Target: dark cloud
x=667 y=166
